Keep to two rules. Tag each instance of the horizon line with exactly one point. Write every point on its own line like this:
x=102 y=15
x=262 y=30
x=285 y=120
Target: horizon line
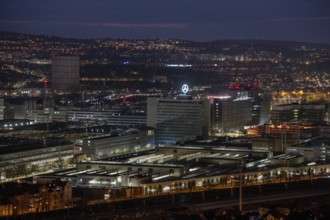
x=163 y=38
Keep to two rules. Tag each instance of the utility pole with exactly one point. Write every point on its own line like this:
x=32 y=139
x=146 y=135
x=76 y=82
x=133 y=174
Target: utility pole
x=241 y=187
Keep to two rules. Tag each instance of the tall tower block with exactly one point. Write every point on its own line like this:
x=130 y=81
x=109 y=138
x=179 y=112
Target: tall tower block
x=65 y=73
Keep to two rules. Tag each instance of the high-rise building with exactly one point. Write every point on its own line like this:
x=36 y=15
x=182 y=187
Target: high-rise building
x=260 y=101
x=65 y=73
x=228 y=114
x=178 y=119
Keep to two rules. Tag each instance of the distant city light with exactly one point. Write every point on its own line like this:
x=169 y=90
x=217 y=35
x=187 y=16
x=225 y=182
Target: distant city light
x=178 y=65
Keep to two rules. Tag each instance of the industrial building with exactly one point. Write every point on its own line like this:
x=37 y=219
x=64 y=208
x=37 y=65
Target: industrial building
x=177 y=167
x=118 y=143
x=22 y=160
x=315 y=149
x=110 y=117
x=295 y=130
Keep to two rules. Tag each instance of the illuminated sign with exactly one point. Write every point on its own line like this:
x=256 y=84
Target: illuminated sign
x=185 y=88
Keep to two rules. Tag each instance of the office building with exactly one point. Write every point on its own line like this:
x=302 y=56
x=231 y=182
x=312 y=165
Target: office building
x=178 y=119
x=297 y=113
x=228 y=114
x=65 y=73
x=260 y=112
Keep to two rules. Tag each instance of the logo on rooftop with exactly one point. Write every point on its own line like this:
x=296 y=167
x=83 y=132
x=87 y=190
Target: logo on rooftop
x=185 y=88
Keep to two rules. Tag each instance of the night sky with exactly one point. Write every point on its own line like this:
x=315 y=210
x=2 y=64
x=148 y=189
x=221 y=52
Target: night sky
x=201 y=20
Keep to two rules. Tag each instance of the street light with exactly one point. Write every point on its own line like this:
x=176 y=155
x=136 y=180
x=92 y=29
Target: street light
x=241 y=186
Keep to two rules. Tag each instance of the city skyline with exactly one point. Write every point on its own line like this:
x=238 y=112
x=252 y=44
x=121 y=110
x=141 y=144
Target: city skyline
x=215 y=109
x=305 y=21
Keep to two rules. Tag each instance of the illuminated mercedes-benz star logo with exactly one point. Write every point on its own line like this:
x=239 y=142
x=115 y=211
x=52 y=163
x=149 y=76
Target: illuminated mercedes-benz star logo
x=185 y=88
